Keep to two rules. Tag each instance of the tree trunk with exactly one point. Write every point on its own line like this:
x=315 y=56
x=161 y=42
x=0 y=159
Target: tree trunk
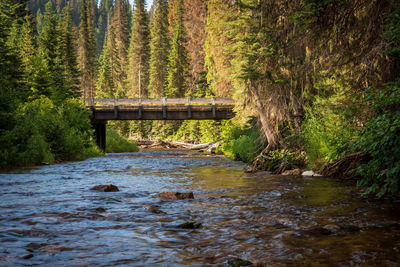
x=268 y=129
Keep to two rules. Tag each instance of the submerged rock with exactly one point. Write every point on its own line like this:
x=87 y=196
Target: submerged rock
x=295 y=172
x=190 y=225
x=105 y=188
x=175 y=195
x=331 y=227
x=100 y=209
x=237 y=262
x=27 y=257
x=155 y=209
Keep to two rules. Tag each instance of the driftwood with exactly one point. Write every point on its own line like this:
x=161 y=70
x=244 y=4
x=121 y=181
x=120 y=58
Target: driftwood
x=177 y=145
x=343 y=168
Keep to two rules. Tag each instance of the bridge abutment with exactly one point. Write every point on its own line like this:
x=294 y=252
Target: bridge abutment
x=100 y=134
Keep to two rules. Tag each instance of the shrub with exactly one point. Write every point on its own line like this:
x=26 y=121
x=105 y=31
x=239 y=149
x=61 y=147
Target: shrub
x=280 y=160
x=379 y=138
x=45 y=132
x=327 y=131
x=116 y=143
x=240 y=143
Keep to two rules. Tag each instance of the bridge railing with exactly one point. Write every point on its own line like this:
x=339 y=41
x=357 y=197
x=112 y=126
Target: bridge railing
x=93 y=102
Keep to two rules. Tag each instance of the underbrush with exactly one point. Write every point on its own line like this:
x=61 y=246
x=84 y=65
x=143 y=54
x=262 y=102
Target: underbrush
x=240 y=143
x=46 y=132
x=278 y=161
x=116 y=143
x=379 y=139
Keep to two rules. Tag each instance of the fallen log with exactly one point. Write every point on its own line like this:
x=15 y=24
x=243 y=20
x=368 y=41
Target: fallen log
x=176 y=144
x=192 y=146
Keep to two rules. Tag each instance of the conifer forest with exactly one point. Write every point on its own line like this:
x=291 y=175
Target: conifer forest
x=316 y=83
x=289 y=157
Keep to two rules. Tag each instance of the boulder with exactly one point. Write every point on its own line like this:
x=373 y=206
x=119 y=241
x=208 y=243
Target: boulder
x=100 y=210
x=249 y=169
x=331 y=227
x=190 y=225
x=310 y=173
x=237 y=262
x=27 y=257
x=175 y=195
x=105 y=188
x=295 y=172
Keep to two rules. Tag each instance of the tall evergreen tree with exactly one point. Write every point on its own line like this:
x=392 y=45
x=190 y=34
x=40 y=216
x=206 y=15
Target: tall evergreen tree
x=9 y=62
x=67 y=51
x=195 y=18
x=49 y=52
x=109 y=67
x=120 y=27
x=87 y=49
x=105 y=14
x=159 y=49
x=139 y=53
x=177 y=60
x=27 y=51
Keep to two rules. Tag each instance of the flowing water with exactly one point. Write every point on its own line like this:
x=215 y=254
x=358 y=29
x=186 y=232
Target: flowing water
x=50 y=217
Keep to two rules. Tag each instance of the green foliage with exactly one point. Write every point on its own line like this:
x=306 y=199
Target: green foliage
x=139 y=53
x=45 y=132
x=159 y=50
x=392 y=34
x=328 y=136
x=281 y=160
x=200 y=131
x=311 y=11
x=177 y=60
x=240 y=143
x=379 y=139
x=116 y=143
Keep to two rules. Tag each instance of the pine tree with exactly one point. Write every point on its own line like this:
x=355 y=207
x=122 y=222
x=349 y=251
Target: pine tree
x=120 y=27
x=39 y=19
x=172 y=7
x=92 y=49
x=139 y=53
x=159 y=50
x=9 y=72
x=217 y=59
x=105 y=14
x=50 y=55
x=48 y=37
x=87 y=49
x=177 y=60
x=109 y=66
x=27 y=51
x=67 y=52
x=195 y=18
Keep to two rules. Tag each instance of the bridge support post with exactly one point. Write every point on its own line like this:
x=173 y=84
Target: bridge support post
x=100 y=134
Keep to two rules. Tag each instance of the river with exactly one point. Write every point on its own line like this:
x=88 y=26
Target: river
x=50 y=217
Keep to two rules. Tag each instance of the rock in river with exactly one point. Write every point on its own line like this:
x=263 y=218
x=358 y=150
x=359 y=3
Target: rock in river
x=237 y=262
x=295 y=172
x=105 y=188
x=190 y=225
x=175 y=195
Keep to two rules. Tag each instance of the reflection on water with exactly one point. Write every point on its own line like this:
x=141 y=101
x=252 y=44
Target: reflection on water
x=49 y=217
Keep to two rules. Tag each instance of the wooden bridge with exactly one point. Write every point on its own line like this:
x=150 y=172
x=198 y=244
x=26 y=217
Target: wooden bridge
x=104 y=110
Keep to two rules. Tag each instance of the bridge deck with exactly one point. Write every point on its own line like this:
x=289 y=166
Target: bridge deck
x=161 y=109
